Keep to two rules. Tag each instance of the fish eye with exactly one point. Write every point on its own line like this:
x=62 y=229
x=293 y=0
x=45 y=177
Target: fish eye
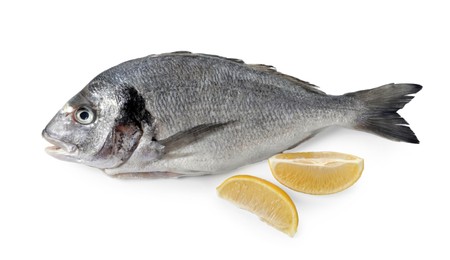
x=84 y=115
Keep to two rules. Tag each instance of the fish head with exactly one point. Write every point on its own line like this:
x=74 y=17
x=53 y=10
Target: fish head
x=100 y=126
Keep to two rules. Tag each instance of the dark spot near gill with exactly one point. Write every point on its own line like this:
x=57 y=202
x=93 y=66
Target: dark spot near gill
x=129 y=124
x=133 y=109
x=133 y=106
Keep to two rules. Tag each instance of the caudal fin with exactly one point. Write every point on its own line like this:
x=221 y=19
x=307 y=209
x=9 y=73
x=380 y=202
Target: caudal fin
x=380 y=114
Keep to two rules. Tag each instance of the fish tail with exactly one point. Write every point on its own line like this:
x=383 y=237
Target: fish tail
x=379 y=114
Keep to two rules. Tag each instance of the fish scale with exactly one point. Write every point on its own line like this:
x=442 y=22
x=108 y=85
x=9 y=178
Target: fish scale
x=185 y=114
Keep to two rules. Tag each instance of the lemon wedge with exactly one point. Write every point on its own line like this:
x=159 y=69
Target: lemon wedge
x=316 y=172
x=268 y=201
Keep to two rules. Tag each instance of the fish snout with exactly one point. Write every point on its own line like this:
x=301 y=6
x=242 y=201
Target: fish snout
x=58 y=145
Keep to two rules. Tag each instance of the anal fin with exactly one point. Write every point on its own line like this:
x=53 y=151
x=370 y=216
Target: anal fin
x=147 y=175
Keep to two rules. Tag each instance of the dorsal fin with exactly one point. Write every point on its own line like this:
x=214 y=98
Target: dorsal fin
x=272 y=70
x=260 y=67
x=199 y=54
x=223 y=58
x=178 y=52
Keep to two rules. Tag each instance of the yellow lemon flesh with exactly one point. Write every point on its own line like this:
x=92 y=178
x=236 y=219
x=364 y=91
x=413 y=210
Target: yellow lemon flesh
x=263 y=198
x=316 y=172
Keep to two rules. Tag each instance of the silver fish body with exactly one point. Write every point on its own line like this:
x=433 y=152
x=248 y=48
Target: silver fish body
x=181 y=114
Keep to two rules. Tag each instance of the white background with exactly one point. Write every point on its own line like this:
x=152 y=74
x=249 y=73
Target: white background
x=52 y=209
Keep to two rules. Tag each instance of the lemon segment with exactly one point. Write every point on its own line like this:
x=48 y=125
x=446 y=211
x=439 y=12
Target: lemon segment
x=266 y=200
x=316 y=172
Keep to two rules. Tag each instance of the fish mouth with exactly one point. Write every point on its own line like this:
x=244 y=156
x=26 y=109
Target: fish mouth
x=59 y=149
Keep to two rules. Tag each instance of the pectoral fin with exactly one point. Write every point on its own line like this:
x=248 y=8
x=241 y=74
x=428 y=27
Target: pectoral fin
x=184 y=138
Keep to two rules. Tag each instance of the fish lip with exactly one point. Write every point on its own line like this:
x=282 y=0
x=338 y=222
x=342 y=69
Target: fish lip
x=59 y=147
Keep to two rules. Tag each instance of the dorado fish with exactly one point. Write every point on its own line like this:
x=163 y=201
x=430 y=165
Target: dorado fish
x=184 y=114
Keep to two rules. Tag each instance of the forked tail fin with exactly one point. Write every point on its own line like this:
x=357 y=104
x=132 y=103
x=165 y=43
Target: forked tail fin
x=380 y=111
